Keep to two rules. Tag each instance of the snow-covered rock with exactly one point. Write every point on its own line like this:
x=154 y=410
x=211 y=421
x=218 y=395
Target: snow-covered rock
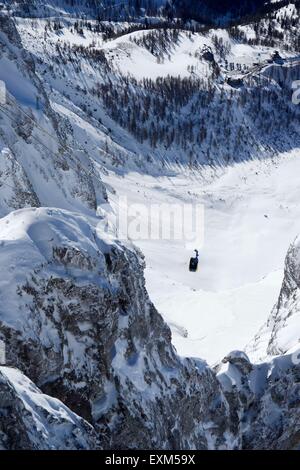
x=285 y=318
x=33 y=420
x=76 y=319
x=264 y=400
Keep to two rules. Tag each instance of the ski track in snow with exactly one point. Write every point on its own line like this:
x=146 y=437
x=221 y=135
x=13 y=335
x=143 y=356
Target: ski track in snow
x=251 y=216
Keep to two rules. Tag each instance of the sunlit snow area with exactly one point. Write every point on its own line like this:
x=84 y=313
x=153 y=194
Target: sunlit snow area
x=252 y=214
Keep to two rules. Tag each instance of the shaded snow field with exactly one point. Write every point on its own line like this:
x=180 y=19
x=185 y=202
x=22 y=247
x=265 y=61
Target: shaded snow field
x=252 y=214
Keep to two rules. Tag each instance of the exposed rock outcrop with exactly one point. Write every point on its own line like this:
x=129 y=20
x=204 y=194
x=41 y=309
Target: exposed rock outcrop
x=78 y=321
x=31 y=420
x=280 y=334
x=264 y=399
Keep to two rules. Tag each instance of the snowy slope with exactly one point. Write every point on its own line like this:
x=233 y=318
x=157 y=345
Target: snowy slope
x=202 y=118
x=42 y=164
x=83 y=8
x=184 y=57
x=38 y=422
x=279 y=28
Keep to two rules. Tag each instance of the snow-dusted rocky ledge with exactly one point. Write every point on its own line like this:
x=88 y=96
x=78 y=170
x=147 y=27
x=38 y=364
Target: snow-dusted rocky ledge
x=33 y=420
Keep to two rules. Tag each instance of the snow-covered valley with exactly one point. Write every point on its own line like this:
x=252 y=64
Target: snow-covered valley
x=252 y=214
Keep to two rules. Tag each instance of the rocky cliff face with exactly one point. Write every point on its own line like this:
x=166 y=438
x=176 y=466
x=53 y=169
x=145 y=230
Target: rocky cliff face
x=41 y=161
x=32 y=420
x=280 y=334
x=264 y=400
x=285 y=316
x=77 y=320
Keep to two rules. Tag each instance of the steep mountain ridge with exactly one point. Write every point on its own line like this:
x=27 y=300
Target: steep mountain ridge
x=42 y=164
x=104 y=9
x=224 y=11
x=204 y=11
